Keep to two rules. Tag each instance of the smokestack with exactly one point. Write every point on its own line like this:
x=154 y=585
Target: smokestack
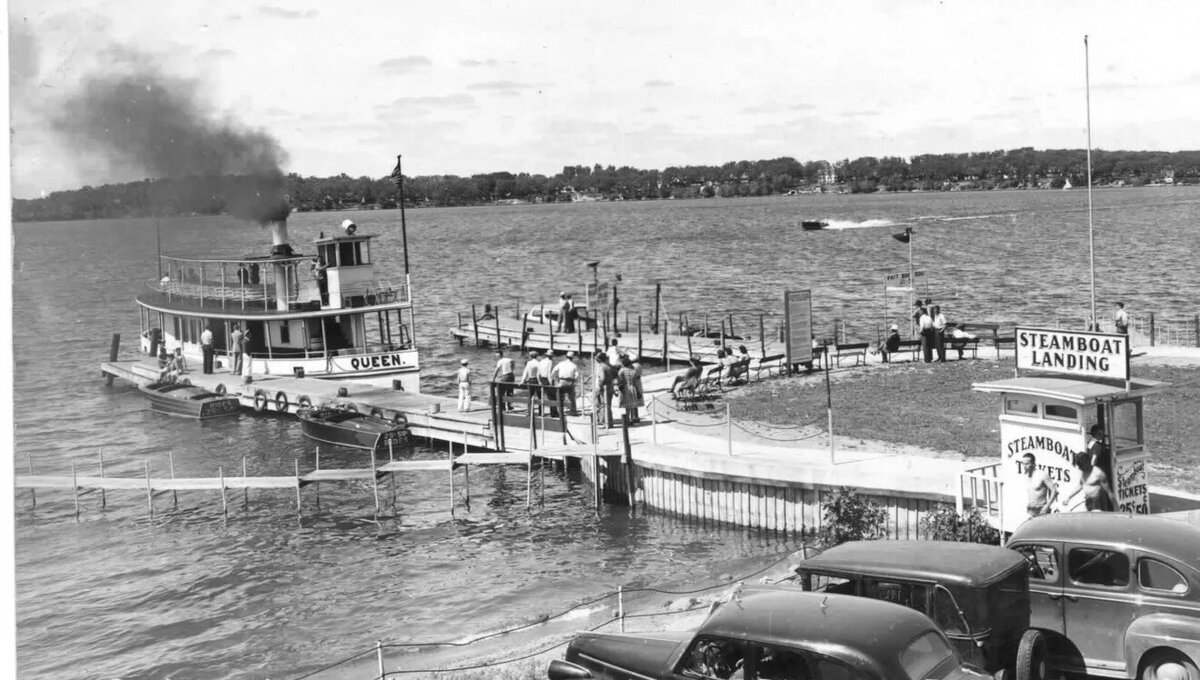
x=279 y=238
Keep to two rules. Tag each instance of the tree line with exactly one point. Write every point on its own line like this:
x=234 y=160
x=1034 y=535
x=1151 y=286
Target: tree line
x=1013 y=169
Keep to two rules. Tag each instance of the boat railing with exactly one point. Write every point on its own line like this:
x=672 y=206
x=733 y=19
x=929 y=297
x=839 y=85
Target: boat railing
x=264 y=297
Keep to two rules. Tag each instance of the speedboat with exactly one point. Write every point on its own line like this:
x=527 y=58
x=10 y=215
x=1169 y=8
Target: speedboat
x=813 y=225
x=191 y=401
x=346 y=427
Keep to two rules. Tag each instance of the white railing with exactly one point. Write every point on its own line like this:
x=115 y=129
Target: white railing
x=982 y=489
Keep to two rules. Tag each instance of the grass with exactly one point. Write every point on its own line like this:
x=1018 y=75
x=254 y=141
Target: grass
x=933 y=406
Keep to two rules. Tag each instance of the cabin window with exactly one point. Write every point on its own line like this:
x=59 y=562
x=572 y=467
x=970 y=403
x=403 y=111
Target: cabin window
x=1098 y=567
x=349 y=254
x=1023 y=407
x=1062 y=412
x=1155 y=575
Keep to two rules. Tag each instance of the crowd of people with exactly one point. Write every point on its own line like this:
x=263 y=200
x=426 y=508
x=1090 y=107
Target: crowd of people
x=1095 y=490
x=933 y=330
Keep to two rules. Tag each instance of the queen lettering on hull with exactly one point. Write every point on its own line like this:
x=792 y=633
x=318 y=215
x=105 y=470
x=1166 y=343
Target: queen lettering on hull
x=334 y=320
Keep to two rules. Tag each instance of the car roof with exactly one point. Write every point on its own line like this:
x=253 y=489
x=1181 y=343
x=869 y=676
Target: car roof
x=1178 y=539
x=946 y=562
x=789 y=617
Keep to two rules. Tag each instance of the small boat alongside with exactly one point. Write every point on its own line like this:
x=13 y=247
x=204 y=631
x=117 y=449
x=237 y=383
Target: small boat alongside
x=189 y=401
x=344 y=427
x=813 y=225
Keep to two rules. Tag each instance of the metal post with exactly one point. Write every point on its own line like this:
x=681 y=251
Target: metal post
x=639 y=327
x=621 y=606
x=1151 y=329
x=829 y=409
x=1091 y=236
x=379 y=657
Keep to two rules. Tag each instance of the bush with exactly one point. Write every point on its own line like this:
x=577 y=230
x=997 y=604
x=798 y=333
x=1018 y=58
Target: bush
x=945 y=524
x=849 y=516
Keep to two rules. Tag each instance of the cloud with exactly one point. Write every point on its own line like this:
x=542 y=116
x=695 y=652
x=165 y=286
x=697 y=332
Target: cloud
x=657 y=83
x=772 y=108
x=507 y=88
x=406 y=64
x=861 y=113
x=476 y=63
x=283 y=13
x=217 y=54
x=422 y=105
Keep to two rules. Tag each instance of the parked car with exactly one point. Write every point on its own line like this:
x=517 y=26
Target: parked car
x=1114 y=595
x=777 y=633
x=977 y=594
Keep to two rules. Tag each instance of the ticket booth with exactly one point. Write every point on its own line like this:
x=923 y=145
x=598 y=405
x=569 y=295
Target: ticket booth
x=1066 y=382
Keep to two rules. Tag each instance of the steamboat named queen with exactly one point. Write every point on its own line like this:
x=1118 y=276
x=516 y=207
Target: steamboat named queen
x=324 y=313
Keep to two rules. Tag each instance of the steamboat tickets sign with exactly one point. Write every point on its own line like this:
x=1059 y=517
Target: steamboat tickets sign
x=1133 y=490
x=1094 y=355
x=797 y=317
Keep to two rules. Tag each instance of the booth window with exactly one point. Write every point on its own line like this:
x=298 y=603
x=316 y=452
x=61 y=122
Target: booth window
x=1021 y=406
x=1062 y=412
x=1126 y=424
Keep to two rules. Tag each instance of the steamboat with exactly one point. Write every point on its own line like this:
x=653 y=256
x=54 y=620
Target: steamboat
x=323 y=314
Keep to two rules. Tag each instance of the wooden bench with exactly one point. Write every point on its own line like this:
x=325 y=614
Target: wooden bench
x=710 y=378
x=963 y=345
x=858 y=350
x=911 y=347
x=768 y=364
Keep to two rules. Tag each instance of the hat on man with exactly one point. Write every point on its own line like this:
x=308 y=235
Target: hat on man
x=464 y=362
x=895 y=327
x=570 y=355
x=533 y=353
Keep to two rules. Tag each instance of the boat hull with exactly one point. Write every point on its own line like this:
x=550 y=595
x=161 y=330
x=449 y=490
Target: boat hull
x=338 y=427
x=813 y=225
x=189 y=401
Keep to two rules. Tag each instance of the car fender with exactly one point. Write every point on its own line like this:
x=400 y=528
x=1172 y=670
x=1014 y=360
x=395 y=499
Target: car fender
x=1156 y=631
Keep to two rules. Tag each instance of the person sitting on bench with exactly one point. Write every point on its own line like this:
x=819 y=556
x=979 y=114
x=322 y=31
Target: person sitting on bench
x=958 y=337
x=891 y=344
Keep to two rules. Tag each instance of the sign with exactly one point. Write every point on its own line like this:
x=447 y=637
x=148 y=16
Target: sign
x=603 y=297
x=388 y=361
x=797 y=316
x=1133 y=491
x=1096 y=355
x=1053 y=452
x=902 y=281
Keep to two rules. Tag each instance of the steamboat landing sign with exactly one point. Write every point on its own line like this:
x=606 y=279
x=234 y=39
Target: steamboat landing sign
x=1097 y=355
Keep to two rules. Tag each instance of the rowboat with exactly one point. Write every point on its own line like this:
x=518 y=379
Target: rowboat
x=813 y=225
x=190 y=401
x=344 y=427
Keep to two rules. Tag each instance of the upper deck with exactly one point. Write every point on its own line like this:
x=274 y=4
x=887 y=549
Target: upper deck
x=340 y=275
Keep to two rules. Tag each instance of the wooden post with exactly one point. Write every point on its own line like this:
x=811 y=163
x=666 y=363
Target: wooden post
x=1196 y=326
x=149 y=491
x=75 y=489
x=729 y=427
x=375 y=483
x=731 y=333
x=639 y=327
x=245 y=486
x=551 y=326
x=297 y=463
x=654 y=419
x=475 y=324
x=762 y=338
x=1151 y=329
x=450 y=462
x=379 y=657
x=497 y=316
x=705 y=324
x=628 y=461
x=466 y=482
x=113 y=349
x=174 y=492
x=621 y=606
x=103 y=496
x=224 y=500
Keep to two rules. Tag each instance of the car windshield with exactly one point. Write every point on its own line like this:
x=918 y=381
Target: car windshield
x=924 y=654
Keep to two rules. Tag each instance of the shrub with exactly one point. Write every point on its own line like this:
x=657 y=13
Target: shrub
x=945 y=524
x=848 y=516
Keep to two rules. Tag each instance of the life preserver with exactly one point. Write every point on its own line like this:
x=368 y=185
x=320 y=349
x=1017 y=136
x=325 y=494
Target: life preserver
x=399 y=418
x=304 y=401
x=281 y=402
x=350 y=407
x=377 y=412
x=220 y=388
x=260 y=400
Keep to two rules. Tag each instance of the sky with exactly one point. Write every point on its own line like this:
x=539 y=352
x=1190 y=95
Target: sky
x=521 y=86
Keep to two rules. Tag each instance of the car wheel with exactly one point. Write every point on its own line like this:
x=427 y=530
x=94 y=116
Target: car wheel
x=1169 y=666
x=1031 y=656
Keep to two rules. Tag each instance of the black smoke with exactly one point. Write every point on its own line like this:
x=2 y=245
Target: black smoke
x=142 y=119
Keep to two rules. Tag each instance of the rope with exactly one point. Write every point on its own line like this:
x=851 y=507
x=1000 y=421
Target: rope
x=539 y=622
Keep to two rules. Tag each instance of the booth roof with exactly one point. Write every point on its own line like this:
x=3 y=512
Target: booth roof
x=1073 y=390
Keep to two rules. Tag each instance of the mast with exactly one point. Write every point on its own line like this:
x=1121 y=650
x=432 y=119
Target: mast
x=1091 y=235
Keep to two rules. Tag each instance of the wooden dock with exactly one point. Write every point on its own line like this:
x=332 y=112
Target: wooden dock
x=660 y=347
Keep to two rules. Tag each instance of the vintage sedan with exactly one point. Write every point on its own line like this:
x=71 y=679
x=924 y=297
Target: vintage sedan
x=1115 y=595
x=777 y=633
x=977 y=594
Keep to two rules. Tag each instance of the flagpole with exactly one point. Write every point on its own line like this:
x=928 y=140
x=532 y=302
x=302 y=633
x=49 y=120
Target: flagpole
x=399 y=175
x=1091 y=236
x=912 y=280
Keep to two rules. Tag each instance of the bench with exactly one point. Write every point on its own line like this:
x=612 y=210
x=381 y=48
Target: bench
x=858 y=350
x=963 y=345
x=768 y=364
x=912 y=347
x=739 y=371
x=1000 y=340
x=710 y=378
x=819 y=354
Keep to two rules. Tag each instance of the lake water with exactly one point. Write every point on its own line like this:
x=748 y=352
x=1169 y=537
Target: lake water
x=189 y=594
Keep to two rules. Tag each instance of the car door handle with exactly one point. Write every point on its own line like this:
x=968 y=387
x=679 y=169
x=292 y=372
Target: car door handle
x=1056 y=596
x=1072 y=598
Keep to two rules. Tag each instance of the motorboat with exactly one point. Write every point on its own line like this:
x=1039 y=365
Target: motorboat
x=181 y=398
x=341 y=426
x=813 y=225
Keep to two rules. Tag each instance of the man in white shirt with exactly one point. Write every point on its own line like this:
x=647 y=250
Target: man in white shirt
x=925 y=328
x=206 y=346
x=566 y=375
x=505 y=373
x=1121 y=319
x=939 y=332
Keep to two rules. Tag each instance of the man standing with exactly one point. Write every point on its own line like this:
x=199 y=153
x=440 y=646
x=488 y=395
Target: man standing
x=246 y=366
x=206 y=347
x=1121 y=319
x=925 y=328
x=1041 y=491
x=566 y=374
x=464 y=386
x=939 y=333
x=235 y=350
x=563 y=308
x=504 y=374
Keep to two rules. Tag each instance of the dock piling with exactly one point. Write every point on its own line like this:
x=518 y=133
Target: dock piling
x=149 y=493
x=245 y=489
x=103 y=496
x=32 y=492
x=297 y=463
x=171 y=461
x=113 y=350
x=75 y=488
x=224 y=500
